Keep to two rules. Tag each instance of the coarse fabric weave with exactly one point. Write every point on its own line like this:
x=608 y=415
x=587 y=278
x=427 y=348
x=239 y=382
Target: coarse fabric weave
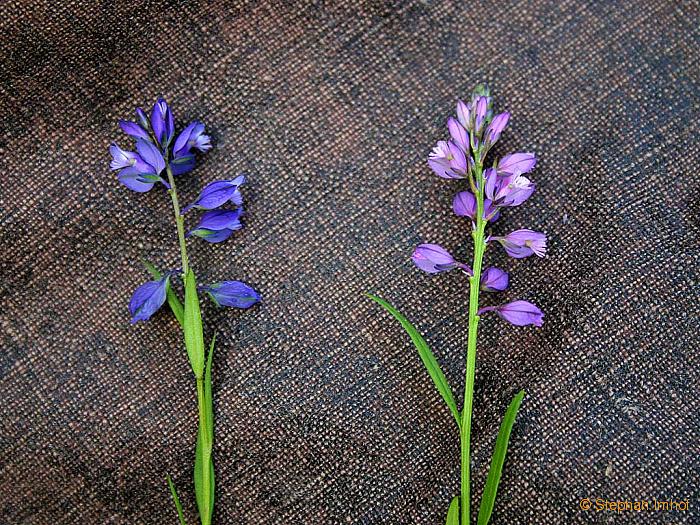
x=324 y=413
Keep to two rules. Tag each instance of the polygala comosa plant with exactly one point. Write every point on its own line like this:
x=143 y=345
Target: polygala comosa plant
x=160 y=157
x=492 y=189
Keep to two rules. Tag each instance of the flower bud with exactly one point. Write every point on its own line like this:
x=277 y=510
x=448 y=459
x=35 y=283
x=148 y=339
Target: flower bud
x=162 y=122
x=459 y=134
x=494 y=280
x=496 y=127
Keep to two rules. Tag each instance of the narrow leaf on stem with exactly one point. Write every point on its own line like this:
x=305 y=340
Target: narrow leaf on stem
x=453 y=512
x=204 y=478
x=176 y=500
x=192 y=326
x=499 y=456
x=426 y=356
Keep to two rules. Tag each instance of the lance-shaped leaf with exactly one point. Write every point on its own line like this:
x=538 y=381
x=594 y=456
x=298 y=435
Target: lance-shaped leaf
x=205 y=488
x=176 y=500
x=192 y=326
x=499 y=456
x=426 y=356
x=453 y=512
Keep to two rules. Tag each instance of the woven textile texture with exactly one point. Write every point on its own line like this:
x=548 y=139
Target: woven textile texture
x=324 y=413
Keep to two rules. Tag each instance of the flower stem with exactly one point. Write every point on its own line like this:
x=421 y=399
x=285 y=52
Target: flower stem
x=474 y=284
x=206 y=450
x=179 y=221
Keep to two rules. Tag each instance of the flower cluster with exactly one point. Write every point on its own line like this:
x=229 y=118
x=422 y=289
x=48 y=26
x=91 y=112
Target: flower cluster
x=159 y=155
x=155 y=149
x=472 y=134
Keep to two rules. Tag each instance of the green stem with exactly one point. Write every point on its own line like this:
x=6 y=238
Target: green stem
x=474 y=284
x=179 y=220
x=206 y=447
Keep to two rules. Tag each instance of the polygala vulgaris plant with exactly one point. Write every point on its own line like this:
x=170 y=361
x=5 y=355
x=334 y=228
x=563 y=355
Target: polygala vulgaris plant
x=158 y=159
x=491 y=189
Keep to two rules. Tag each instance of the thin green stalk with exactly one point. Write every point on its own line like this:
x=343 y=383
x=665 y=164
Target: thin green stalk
x=204 y=437
x=179 y=221
x=206 y=445
x=474 y=284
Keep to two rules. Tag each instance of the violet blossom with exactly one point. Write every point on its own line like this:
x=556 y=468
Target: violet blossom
x=523 y=243
x=518 y=313
x=472 y=134
x=507 y=190
x=433 y=258
x=516 y=164
x=232 y=293
x=218 y=193
x=448 y=161
x=464 y=205
x=140 y=170
x=218 y=225
x=147 y=299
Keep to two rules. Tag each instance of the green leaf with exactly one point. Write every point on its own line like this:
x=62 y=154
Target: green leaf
x=453 y=512
x=426 y=355
x=203 y=451
x=178 y=507
x=208 y=391
x=152 y=269
x=203 y=495
x=499 y=456
x=173 y=300
x=192 y=326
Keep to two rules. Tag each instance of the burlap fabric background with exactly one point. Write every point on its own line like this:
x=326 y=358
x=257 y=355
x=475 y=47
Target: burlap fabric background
x=324 y=413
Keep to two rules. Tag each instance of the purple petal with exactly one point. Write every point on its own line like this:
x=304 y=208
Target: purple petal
x=147 y=299
x=181 y=146
x=182 y=165
x=134 y=130
x=520 y=313
x=221 y=219
x=496 y=127
x=212 y=236
x=433 y=258
x=517 y=163
x=459 y=160
x=143 y=119
x=464 y=204
x=441 y=168
x=463 y=114
x=494 y=280
x=492 y=186
x=482 y=105
x=232 y=293
x=169 y=125
x=458 y=133
x=133 y=179
x=151 y=155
